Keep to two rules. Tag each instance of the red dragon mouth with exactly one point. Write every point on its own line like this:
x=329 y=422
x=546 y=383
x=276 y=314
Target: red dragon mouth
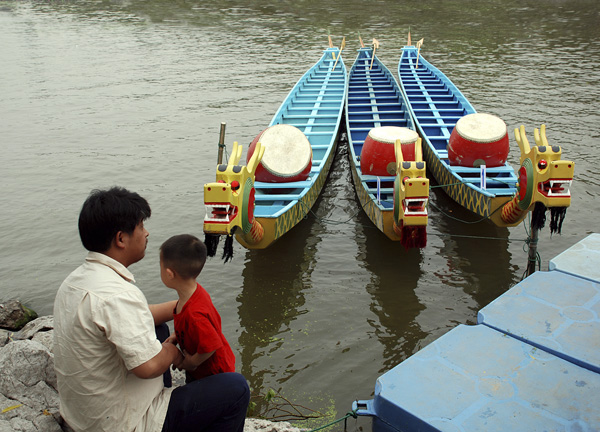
x=220 y=213
x=415 y=206
x=556 y=188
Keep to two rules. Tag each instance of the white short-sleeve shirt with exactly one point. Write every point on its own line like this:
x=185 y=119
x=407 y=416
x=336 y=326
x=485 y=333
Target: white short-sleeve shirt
x=103 y=328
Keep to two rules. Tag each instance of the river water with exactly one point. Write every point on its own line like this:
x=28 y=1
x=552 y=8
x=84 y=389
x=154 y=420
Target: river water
x=132 y=93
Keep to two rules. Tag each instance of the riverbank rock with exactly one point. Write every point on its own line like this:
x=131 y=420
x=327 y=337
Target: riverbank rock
x=259 y=425
x=28 y=388
x=28 y=393
x=14 y=315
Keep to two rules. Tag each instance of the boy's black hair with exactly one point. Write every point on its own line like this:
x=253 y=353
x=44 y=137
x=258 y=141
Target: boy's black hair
x=106 y=212
x=184 y=254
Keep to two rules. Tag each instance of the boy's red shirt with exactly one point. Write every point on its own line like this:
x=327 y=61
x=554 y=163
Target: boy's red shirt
x=198 y=330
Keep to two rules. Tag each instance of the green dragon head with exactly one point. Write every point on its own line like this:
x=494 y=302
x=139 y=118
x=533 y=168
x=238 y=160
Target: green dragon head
x=543 y=177
x=229 y=201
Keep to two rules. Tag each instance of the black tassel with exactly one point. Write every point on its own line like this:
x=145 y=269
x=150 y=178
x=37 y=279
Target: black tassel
x=557 y=216
x=228 y=248
x=212 y=242
x=538 y=216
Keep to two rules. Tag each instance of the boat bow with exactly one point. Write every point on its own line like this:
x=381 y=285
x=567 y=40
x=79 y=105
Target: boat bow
x=229 y=201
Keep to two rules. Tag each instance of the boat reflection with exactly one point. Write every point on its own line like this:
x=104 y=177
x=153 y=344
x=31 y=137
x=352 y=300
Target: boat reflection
x=274 y=281
x=394 y=276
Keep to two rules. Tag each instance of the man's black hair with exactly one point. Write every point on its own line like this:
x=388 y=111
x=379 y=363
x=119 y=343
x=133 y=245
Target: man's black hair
x=106 y=212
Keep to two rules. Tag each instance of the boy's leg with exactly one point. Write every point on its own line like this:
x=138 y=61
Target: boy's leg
x=215 y=403
x=162 y=333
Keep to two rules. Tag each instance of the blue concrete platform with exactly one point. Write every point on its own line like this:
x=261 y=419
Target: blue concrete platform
x=532 y=363
x=582 y=259
x=554 y=311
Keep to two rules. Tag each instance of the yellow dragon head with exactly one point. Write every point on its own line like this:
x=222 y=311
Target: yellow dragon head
x=411 y=194
x=229 y=201
x=543 y=177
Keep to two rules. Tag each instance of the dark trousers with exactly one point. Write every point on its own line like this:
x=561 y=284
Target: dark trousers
x=215 y=403
x=162 y=333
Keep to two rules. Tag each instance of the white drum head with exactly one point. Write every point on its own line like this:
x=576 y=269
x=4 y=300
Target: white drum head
x=481 y=128
x=389 y=134
x=287 y=150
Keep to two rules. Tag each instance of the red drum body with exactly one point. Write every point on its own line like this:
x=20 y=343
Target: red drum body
x=378 y=156
x=478 y=139
x=287 y=157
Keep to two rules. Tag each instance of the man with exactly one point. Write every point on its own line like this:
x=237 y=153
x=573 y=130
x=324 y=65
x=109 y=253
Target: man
x=108 y=361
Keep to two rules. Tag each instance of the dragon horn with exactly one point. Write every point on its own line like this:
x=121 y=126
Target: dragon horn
x=399 y=155
x=257 y=156
x=522 y=140
x=540 y=139
x=418 y=150
x=236 y=154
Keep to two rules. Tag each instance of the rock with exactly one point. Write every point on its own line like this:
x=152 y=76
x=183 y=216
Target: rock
x=13 y=315
x=40 y=330
x=256 y=425
x=42 y=324
x=28 y=386
x=46 y=338
x=4 y=334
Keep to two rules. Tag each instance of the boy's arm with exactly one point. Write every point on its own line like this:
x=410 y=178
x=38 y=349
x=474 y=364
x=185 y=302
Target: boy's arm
x=191 y=362
x=162 y=312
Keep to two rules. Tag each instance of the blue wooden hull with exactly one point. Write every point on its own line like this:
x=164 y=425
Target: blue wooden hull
x=374 y=99
x=315 y=105
x=436 y=104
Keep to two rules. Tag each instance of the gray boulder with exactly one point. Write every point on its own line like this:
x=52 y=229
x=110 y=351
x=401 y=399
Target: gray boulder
x=28 y=387
x=13 y=315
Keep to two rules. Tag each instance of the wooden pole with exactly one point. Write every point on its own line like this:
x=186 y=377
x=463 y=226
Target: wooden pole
x=375 y=46
x=532 y=256
x=419 y=45
x=221 y=144
x=340 y=53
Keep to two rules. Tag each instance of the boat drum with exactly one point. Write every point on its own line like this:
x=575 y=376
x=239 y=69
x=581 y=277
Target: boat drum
x=288 y=154
x=478 y=139
x=378 y=157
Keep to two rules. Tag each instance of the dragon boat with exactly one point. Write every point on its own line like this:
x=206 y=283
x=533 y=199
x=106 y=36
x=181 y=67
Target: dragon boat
x=466 y=152
x=385 y=152
x=287 y=163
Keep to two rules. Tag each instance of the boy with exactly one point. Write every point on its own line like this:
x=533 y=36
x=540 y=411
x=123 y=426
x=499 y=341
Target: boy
x=197 y=322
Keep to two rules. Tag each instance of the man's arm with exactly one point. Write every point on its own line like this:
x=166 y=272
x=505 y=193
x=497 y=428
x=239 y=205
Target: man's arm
x=162 y=312
x=159 y=364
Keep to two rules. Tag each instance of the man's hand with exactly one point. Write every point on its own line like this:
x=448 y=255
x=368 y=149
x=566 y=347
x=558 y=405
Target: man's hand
x=160 y=363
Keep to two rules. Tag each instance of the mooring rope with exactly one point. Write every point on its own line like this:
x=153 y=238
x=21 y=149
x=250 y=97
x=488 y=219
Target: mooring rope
x=348 y=415
x=371 y=226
